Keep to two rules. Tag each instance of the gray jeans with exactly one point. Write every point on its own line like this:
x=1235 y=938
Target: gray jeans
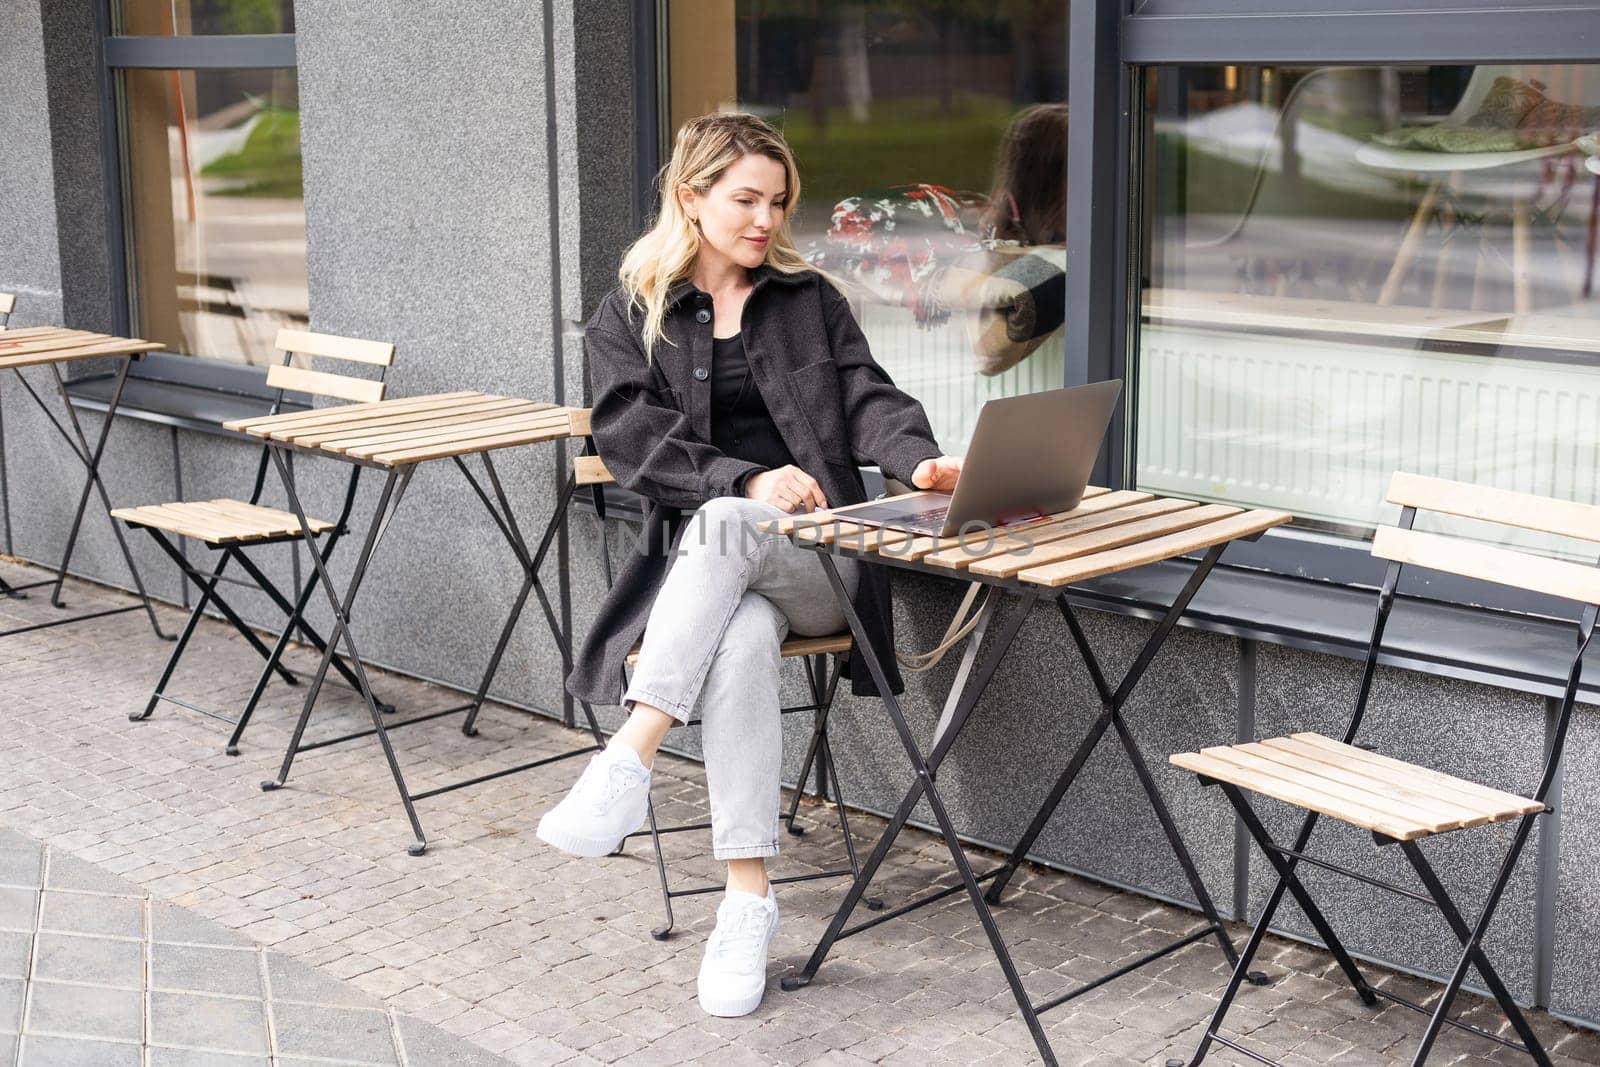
x=729 y=599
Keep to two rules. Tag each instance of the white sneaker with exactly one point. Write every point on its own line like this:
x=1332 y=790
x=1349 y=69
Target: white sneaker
x=733 y=975
x=606 y=804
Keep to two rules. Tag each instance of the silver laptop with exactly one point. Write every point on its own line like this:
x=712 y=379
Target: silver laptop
x=1030 y=457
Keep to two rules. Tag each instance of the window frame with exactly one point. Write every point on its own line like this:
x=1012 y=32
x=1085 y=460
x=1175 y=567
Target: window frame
x=1328 y=33
x=1110 y=45
x=120 y=52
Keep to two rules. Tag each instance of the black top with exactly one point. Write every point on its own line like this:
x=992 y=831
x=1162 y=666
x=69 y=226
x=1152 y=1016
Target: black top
x=741 y=425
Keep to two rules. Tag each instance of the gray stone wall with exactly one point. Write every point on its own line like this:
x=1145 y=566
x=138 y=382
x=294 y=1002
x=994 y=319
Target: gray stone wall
x=430 y=162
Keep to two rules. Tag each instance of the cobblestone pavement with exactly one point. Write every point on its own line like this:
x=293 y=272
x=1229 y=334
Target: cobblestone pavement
x=93 y=972
x=541 y=959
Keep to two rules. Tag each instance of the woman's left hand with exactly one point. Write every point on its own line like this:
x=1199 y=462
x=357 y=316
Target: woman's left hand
x=939 y=474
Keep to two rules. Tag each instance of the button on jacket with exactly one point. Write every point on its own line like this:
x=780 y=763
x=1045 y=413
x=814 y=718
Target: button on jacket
x=834 y=407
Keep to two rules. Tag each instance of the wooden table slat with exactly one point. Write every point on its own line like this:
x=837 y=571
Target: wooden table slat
x=483 y=427
x=263 y=425
x=65 y=346
x=480 y=444
x=1105 y=539
x=1245 y=524
x=338 y=438
x=1003 y=562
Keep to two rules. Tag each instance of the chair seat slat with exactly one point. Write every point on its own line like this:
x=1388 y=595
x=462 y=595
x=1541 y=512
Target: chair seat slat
x=791 y=648
x=589 y=470
x=218 y=521
x=1459 y=789
x=1392 y=797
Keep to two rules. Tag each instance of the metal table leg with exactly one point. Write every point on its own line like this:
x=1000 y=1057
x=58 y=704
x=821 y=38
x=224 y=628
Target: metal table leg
x=960 y=701
x=926 y=768
x=90 y=457
x=499 y=507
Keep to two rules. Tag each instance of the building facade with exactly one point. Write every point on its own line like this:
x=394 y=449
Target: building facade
x=1319 y=243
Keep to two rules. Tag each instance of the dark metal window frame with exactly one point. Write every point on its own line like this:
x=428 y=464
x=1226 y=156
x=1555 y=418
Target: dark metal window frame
x=1300 y=32
x=197 y=52
x=1111 y=42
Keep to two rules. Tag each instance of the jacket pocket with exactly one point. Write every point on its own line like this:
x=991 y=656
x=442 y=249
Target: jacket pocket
x=816 y=387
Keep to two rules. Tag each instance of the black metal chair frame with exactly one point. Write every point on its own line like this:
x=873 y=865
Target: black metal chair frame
x=1285 y=861
x=89 y=456
x=207 y=583
x=822 y=677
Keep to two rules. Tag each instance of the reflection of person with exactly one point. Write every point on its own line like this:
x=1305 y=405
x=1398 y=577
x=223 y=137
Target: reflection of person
x=731 y=385
x=1019 y=293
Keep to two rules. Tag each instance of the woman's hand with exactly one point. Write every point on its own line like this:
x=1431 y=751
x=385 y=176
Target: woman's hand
x=939 y=474
x=788 y=489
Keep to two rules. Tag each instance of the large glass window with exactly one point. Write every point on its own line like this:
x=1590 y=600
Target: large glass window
x=1353 y=271
x=214 y=208
x=931 y=140
x=176 y=18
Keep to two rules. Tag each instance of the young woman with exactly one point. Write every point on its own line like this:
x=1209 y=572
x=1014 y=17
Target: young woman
x=731 y=385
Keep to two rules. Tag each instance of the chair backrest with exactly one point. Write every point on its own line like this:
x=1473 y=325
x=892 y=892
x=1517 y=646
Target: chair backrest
x=328 y=346
x=283 y=376
x=1490 y=563
x=1403 y=546
x=7 y=302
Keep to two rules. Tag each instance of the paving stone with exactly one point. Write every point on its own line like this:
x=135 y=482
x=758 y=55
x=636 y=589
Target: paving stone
x=85 y=1011
x=19 y=909
x=95 y=960
x=182 y=1057
x=11 y=997
x=297 y=982
x=69 y=872
x=21 y=866
x=82 y=913
x=426 y=1044
x=40 y=1051
x=224 y=1024
x=205 y=969
x=15 y=949
x=170 y=923
x=341 y=1033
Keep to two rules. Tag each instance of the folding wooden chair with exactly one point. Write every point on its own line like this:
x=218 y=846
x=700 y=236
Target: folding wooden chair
x=232 y=526
x=824 y=659
x=1400 y=803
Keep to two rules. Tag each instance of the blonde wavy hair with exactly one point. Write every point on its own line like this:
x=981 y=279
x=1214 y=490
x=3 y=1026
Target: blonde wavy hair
x=704 y=150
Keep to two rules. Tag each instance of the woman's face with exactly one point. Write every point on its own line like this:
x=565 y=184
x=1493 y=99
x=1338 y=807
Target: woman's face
x=740 y=213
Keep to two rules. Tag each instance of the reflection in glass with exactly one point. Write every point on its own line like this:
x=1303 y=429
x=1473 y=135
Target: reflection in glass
x=169 y=18
x=1352 y=271
x=216 y=214
x=931 y=142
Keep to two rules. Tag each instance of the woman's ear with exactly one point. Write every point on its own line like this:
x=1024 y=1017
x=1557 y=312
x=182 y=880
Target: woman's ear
x=689 y=202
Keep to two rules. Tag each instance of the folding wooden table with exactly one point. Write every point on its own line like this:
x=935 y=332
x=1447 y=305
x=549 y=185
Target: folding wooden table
x=52 y=346
x=1110 y=531
x=395 y=437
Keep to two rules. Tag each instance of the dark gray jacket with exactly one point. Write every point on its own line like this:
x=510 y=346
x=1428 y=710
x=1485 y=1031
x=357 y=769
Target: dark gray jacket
x=833 y=405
